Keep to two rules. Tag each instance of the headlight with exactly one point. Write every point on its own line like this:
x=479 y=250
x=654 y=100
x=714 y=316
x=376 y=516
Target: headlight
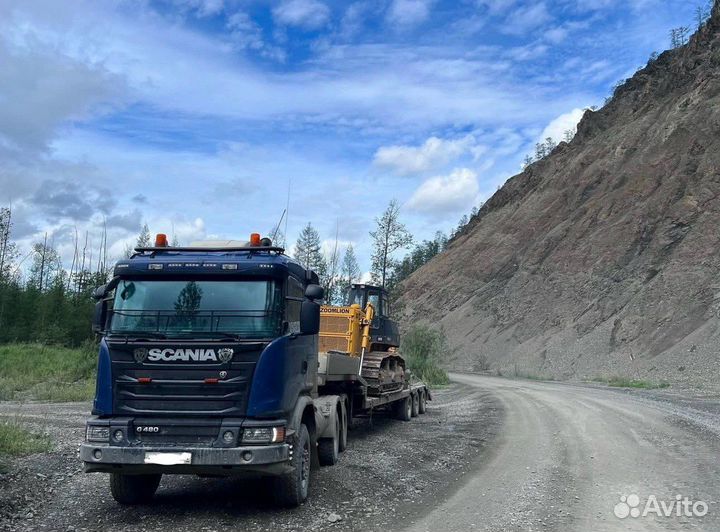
x=97 y=433
x=263 y=435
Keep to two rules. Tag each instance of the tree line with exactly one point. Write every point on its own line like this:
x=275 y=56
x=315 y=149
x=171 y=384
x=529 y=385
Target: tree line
x=50 y=304
x=42 y=300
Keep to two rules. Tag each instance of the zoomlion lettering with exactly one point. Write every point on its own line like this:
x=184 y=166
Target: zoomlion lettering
x=186 y=355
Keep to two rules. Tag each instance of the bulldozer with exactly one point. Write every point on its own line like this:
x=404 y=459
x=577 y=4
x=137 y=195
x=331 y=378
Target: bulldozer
x=362 y=328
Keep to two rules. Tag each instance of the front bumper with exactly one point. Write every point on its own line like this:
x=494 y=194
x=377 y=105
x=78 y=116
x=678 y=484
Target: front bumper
x=264 y=459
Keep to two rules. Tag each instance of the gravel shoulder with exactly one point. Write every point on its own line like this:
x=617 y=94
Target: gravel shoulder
x=391 y=473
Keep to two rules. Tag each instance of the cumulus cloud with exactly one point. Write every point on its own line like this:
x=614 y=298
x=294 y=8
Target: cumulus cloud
x=130 y=221
x=42 y=88
x=409 y=12
x=433 y=154
x=307 y=14
x=445 y=195
x=565 y=122
x=71 y=200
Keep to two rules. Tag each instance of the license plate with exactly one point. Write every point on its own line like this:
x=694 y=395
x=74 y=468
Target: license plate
x=168 y=458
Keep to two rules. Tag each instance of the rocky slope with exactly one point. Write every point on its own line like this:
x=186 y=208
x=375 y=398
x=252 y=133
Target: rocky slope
x=603 y=259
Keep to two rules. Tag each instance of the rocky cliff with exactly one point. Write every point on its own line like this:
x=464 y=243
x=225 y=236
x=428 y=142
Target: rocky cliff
x=603 y=259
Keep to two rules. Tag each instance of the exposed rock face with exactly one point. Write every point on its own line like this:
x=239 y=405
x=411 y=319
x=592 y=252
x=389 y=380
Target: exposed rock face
x=604 y=258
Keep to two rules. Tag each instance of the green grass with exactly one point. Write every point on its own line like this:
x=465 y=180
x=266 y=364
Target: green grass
x=47 y=373
x=15 y=440
x=423 y=349
x=622 y=382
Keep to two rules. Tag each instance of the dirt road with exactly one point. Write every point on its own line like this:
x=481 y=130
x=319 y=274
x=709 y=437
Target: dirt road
x=391 y=472
x=567 y=454
x=491 y=454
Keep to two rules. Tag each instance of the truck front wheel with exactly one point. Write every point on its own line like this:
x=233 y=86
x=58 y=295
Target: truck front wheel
x=291 y=489
x=133 y=489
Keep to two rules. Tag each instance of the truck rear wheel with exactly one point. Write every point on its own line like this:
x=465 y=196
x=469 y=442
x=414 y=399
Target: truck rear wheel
x=404 y=409
x=329 y=448
x=133 y=489
x=415 y=404
x=422 y=406
x=291 y=489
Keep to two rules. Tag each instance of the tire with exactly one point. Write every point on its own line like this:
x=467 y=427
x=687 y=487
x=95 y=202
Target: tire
x=422 y=406
x=343 y=431
x=415 y=405
x=291 y=489
x=329 y=448
x=133 y=489
x=404 y=409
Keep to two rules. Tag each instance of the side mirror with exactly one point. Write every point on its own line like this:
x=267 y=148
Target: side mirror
x=99 y=316
x=314 y=292
x=310 y=317
x=100 y=292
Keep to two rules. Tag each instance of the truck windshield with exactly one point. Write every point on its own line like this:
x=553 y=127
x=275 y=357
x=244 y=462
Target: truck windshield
x=249 y=309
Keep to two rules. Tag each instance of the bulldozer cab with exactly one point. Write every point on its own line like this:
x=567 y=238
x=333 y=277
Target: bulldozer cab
x=384 y=331
x=362 y=294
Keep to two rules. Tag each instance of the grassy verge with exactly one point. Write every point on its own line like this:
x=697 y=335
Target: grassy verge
x=47 y=373
x=18 y=441
x=622 y=382
x=423 y=348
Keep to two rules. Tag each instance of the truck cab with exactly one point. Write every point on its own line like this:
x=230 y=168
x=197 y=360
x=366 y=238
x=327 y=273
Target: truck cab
x=207 y=365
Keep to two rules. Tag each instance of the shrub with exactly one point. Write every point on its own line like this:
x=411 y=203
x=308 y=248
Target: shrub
x=424 y=350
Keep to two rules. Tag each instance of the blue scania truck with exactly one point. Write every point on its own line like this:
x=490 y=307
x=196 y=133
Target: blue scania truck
x=209 y=364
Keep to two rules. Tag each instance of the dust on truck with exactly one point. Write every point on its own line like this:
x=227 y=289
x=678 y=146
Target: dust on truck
x=210 y=364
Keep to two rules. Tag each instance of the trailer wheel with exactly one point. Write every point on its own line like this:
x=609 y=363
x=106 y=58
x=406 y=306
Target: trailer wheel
x=415 y=405
x=343 y=431
x=291 y=489
x=329 y=448
x=422 y=406
x=404 y=409
x=133 y=489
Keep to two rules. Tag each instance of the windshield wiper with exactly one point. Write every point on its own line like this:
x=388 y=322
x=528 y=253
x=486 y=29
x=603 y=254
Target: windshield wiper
x=217 y=335
x=137 y=336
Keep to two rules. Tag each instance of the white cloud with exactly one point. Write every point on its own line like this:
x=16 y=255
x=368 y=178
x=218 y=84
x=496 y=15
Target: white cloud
x=446 y=195
x=409 y=12
x=565 y=122
x=526 y=18
x=307 y=14
x=41 y=88
x=433 y=154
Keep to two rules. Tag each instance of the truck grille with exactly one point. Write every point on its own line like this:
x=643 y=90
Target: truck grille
x=169 y=388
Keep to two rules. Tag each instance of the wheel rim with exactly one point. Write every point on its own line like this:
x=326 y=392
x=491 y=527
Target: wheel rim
x=409 y=408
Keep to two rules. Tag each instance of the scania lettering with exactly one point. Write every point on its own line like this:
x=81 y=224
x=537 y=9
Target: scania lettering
x=218 y=359
x=169 y=355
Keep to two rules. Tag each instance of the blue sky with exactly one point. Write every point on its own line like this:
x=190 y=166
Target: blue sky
x=195 y=115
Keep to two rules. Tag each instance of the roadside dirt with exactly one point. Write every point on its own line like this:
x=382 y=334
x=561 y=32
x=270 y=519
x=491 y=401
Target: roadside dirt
x=391 y=473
